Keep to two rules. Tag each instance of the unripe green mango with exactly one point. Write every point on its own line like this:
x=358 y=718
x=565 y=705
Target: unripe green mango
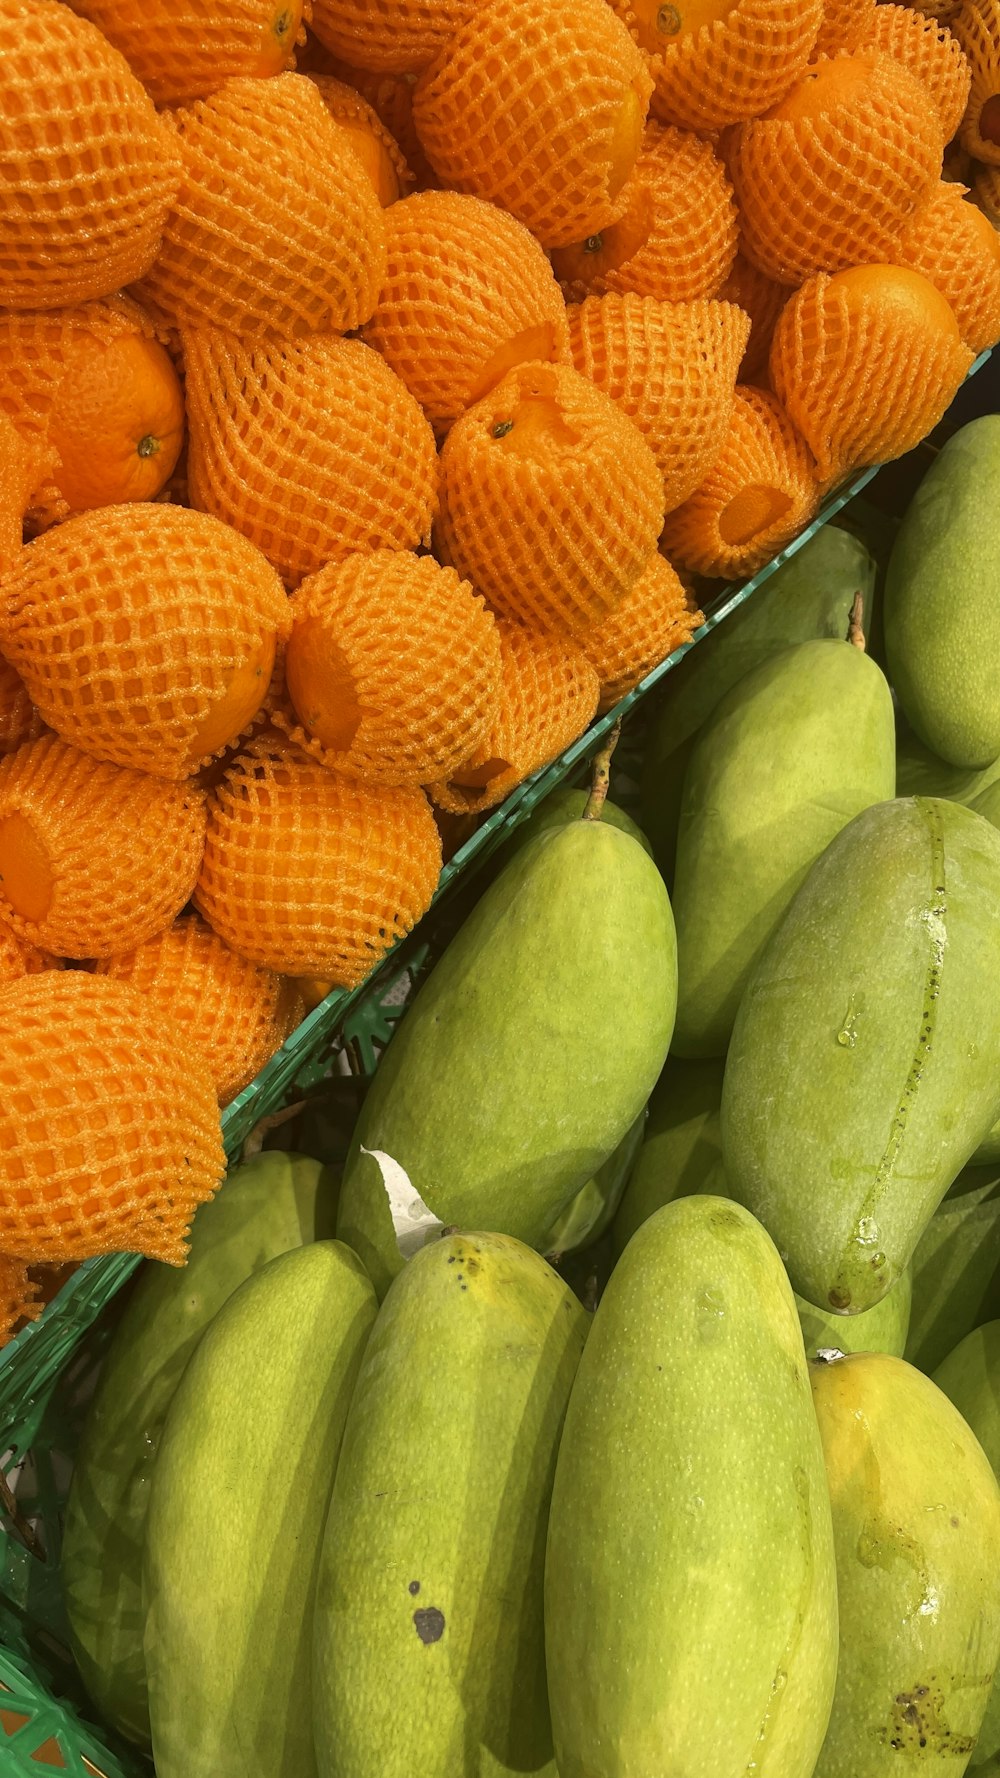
x=970 y=1378
x=955 y=1268
x=274 y=1203
x=690 y=1602
x=942 y=615
x=429 y=1644
x=561 y=807
x=987 y=804
x=864 y=1068
x=530 y=1050
x=916 y=1518
x=236 y=1516
x=919 y=772
x=792 y=753
x=586 y=1216
x=682 y=1149
x=880 y=1329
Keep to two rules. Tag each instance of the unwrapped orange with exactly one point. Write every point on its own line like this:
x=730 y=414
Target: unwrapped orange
x=390 y=36
x=977 y=27
x=185 y=49
x=954 y=245
x=377 y=150
x=732 y=66
x=654 y=618
x=930 y=52
x=762 y=300
x=845 y=23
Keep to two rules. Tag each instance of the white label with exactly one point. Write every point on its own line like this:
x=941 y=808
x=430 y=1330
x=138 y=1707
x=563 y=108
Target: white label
x=413 y=1224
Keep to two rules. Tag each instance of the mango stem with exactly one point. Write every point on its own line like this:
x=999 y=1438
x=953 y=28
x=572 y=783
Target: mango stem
x=855 y=632
x=601 y=778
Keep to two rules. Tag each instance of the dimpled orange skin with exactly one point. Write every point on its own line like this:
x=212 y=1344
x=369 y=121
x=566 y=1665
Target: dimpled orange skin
x=738 y=63
x=185 y=49
x=954 y=245
x=551 y=499
x=388 y=36
x=866 y=362
x=845 y=24
x=375 y=147
x=762 y=300
x=467 y=288
x=653 y=619
x=977 y=27
x=930 y=52
x=540 y=109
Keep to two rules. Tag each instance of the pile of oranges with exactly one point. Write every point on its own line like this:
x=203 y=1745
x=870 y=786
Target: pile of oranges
x=374 y=377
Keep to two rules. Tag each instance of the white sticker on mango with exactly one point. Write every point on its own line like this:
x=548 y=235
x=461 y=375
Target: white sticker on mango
x=413 y=1224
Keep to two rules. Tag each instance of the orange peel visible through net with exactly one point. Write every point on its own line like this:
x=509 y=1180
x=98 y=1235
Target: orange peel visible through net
x=390 y=97
x=930 y=52
x=388 y=36
x=845 y=23
x=312 y=449
x=866 y=362
x=977 y=27
x=954 y=245
x=551 y=499
x=540 y=109
x=236 y=1013
x=733 y=66
x=656 y=616
x=145 y=635
x=185 y=49
x=762 y=300
x=377 y=150
x=468 y=292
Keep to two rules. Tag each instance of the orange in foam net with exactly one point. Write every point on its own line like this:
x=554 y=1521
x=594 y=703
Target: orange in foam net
x=930 y=52
x=656 y=616
x=185 y=49
x=390 y=97
x=94 y=858
x=21 y=466
x=671 y=367
x=236 y=1013
x=392 y=668
x=977 y=27
x=756 y=498
x=145 y=635
x=539 y=108
x=468 y=294
x=551 y=499
x=390 y=36
x=88 y=170
x=312 y=873
x=18 y=958
x=311 y=448
x=845 y=23
x=19 y=720
x=953 y=244
x=866 y=362
x=549 y=692
x=377 y=150
x=762 y=300
x=267 y=237
x=715 y=63
x=109 y=1125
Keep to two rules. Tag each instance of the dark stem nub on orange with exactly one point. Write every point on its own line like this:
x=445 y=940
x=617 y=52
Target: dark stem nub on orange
x=148 y=446
x=502 y=428
x=601 y=779
x=594 y=244
x=668 y=21
x=989 y=119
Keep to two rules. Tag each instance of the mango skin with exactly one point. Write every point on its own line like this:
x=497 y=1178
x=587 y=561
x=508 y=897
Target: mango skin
x=916 y=1518
x=561 y=807
x=514 y=1075
x=592 y=1211
x=956 y=1268
x=880 y=1329
x=682 y=1149
x=864 y=1069
x=970 y=1378
x=236 y=1516
x=428 y=1629
x=690 y=1601
x=798 y=748
x=987 y=804
x=274 y=1203
x=919 y=772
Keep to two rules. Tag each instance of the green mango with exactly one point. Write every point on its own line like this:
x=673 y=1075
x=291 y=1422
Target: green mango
x=586 y=1216
x=920 y=773
x=942 y=616
x=429 y=1643
x=880 y=1329
x=987 y=804
x=864 y=1069
x=561 y=807
x=789 y=756
x=682 y=1149
x=690 y=1601
x=811 y=595
x=274 y=1203
x=514 y=1075
x=955 y=1268
x=916 y=1518
x=970 y=1378
x=236 y=1516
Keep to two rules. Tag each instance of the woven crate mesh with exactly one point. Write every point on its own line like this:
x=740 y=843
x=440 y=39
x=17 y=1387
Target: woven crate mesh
x=977 y=27
x=310 y=872
x=731 y=69
x=311 y=449
x=954 y=245
x=19 y=720
x=18 y=958
x=820 y=193
x=388 y=36
x=549 y=691
x=762 y=300
x=276 y=230
x=109 y=1125
x=119 y=850
x=986 y=186
x=551 y=499
x=185 y=49
x=672 y=368
x=523 y=106
x=129 y=624
x=234 y=1012
x=392 y=669
x=930 y=52
x=656 y=616
x=845 y=23
x=375 y=146
x=759 y=495
x=466 y=283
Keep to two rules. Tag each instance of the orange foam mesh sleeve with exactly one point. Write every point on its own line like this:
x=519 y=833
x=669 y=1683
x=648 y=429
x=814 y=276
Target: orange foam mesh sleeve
x=757 y=497
x=388 y=36
x=930 y=51
x=236 y=1013
x=21 y=467
x=467 y=293
x=954 y=245
x=551 y=499
x=537 y=107
x=826 y=192
x=19 y=720
x=310 y=872
x=186 y=49
x=89 y=172
x=845 y=23
x=377 y=148
x=987 y=189
x=94 y=858
x=143 y=632
x=18 y=957
x=945 y=11
x=311 y=448
x=549 y=692
x=762 y=300
x=671 y=367
x=977 y=27
x=19 y=1297
x=731 y=68
x=656 y=616
x=109 y=1124
x=866 y=364
x=390 y=97
x=267 y=237
x=392 y=668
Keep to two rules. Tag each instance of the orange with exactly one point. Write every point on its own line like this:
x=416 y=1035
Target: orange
x=21 y=466
x=109 y=1125
x=18 y=957
x=954 y=245
x=845 y=24
x=977 y=27
x=19 y=1297
x=551 y=499
x=930 y=52
x=657 y=25
x=723 y=63
x=655 y=617
x=185 y=49
x=234 y=1012
x=468 y=294
x=375 y=148
x=312 y=448
x=538 y=108
x=19 y=720
x=763 y=300
x=89 y=173
x=388 y=36
x=390 y=97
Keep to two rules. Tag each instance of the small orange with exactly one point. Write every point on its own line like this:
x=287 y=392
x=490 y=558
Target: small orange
x=930 y=52
x=388 y=36
x=19 y=1297
x=185 y=49
x=845 y=24
x=977 y=27
x=375 y=148
x=763 y=300
x=715 y=64
x=656 y=616
x=19 y=720
x=954 y=245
